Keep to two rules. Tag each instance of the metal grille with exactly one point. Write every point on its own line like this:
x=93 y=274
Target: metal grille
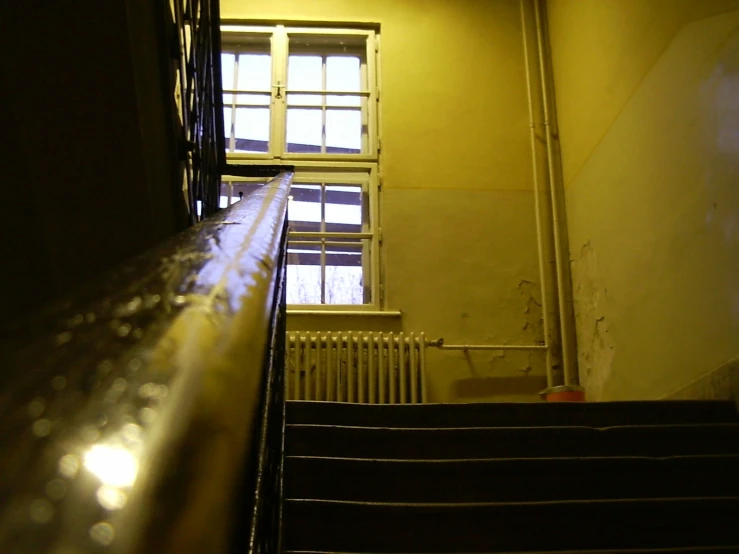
x=199 y=102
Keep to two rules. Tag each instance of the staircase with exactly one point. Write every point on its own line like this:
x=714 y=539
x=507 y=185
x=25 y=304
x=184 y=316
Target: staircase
x=483 y=478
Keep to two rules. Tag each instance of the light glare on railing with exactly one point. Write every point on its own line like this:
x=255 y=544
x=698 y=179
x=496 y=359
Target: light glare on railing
x=114 y=466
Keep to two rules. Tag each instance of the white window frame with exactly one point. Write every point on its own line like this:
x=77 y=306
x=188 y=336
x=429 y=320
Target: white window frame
x=323 y=167
x=362 y=174
x=279 y=37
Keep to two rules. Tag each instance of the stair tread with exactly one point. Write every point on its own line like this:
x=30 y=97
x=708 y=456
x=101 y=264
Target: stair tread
x=331 y=526
x=420 y=506
x=515 y=461
x=519 y=429
x=678 y=550
x=512 y=414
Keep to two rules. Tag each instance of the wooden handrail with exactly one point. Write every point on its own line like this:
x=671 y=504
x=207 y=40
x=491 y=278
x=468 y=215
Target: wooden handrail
x=133 y=409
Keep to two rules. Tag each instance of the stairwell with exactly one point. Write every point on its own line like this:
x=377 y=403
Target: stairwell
x=477 y=478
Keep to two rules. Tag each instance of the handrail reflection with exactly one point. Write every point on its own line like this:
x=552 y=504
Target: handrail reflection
x=132 y=407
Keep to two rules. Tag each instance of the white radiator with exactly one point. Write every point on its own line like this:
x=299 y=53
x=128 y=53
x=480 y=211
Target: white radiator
x=350 y=366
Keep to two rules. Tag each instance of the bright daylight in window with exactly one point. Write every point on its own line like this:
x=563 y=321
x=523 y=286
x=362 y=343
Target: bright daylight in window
x=308 y=98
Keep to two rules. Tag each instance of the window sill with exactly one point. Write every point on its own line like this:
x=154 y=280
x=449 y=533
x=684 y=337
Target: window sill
x=352 y=313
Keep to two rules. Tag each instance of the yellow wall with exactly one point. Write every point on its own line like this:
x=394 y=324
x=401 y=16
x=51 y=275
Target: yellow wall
x=647 y=102
x=458 y=219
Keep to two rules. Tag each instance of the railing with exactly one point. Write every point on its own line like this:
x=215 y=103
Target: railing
x=145 y=413
x=196 y=40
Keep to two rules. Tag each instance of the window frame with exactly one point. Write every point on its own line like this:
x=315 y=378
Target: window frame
x=368 y=180
x=279 y=35
x=341 y=168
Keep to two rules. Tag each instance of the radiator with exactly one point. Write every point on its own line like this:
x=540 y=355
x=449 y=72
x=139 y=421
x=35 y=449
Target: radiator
x=348 y=366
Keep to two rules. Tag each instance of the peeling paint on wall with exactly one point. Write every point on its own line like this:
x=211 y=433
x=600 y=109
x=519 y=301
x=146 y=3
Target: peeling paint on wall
x=484 y=365
x=533 y=318
x=596 y=349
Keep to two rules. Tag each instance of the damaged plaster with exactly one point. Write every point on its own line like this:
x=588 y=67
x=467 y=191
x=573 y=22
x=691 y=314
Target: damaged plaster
x=496 y=363
x=596 y=349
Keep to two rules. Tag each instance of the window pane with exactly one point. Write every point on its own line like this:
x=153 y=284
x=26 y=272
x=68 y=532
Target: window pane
x=254 y=72
x=343 y=131
x=303 y=100
x=344 y=208
x=304 y=73
x=344 y=274
x=253 y=99
x=303 y=130
x=304 y=209
x=343 y=74
x=227 y=122
x=345 y=282
x=227 y=74
x=353 y=101
x=304 y=274
x=227 y=71
x=245 y=188
x=303 y=284
x=252 y=130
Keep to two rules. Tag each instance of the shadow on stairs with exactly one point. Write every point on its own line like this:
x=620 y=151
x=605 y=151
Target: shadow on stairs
x=483 y=478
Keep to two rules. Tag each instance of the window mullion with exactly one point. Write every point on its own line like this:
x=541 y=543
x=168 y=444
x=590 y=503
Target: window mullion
x=364 y=103
x=373 y=85
x=323 y=271
x=232 y=130
x=374 y=226
x=278 y=130
x=323 y=243
x=323 y=105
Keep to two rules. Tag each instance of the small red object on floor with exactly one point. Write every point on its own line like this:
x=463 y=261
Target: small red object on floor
x=564 y=393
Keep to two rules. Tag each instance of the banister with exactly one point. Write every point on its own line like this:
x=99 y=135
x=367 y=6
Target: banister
x=132 y=407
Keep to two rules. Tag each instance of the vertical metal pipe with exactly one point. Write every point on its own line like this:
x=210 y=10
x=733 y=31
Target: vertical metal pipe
x=349 y=367
x=391 y=366
x=382 y=360
x=323 y=223
x=306 y=368
x=559 y=248
x=288 y=378
x=537 y=207
x=329 y=364
x=361 y=374
x=422 y=368
x=371 y=357
x=339 y=379
x=299 y=350
x=320 y=350
x=412 y=343
x=402 y=374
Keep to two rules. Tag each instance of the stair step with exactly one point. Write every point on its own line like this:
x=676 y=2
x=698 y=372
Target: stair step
x=683 y=550
x=594 y=414
x=510 y=480
x=330 y=526
x=510 y=442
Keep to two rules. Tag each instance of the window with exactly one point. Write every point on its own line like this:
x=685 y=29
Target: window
x=332 y=245
x=236 y=188
x=308 y=97
x=300 y=93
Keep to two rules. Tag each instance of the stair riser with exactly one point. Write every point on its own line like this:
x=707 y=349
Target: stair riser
x=510 y=443
x=586 y=526
x=603 y=414
x=508 y=481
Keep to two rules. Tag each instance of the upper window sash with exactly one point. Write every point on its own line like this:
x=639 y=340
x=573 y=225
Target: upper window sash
x=329 y=111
